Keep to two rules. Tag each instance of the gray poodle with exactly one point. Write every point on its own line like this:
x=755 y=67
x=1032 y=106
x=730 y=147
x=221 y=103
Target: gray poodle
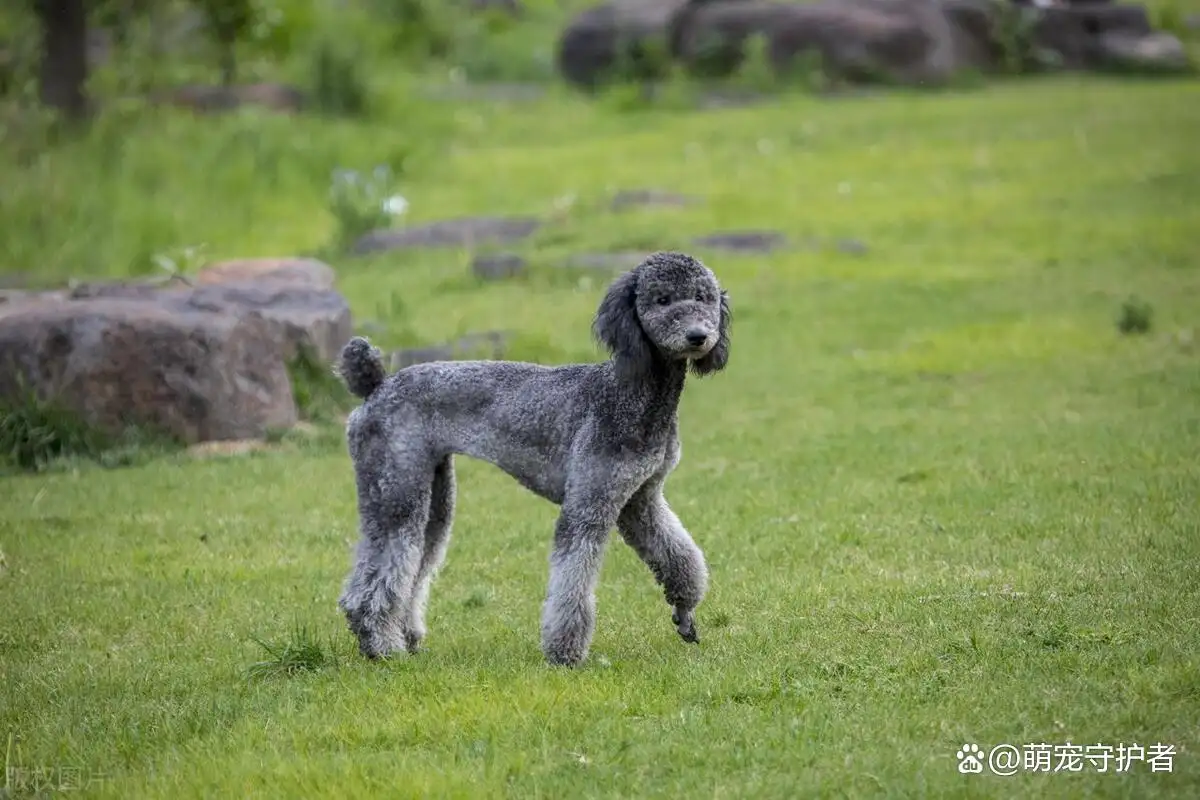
x=596 y=439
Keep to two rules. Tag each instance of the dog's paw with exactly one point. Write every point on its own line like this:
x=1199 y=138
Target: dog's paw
x=685 y=623
x=555 y=659
x=376 y=647
x=565 y=652
x=372 y=651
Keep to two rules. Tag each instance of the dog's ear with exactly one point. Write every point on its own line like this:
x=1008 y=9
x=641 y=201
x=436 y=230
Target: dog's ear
x=716 y=358
x=618 y=328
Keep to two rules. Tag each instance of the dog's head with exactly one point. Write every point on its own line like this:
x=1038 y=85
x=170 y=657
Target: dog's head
x=669 y=307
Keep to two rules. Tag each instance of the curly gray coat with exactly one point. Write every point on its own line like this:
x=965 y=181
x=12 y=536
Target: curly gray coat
x=596 y=439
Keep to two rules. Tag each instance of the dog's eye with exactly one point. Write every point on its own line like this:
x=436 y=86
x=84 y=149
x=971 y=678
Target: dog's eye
x=664 y=300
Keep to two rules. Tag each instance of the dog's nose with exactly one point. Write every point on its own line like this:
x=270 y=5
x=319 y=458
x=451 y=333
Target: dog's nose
x=696 y=337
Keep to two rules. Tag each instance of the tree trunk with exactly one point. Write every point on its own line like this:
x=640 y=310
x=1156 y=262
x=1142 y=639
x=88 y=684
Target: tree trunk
x=64 y=67
x=228 y=59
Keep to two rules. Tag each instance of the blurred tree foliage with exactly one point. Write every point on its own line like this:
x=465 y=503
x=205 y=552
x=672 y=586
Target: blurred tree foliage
x=228 y=22
x=46 y=42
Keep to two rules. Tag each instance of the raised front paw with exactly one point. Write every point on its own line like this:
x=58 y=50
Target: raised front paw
x=685 y=623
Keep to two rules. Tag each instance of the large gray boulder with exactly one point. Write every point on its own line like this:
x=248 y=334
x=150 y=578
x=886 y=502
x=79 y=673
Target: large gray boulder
x=199 y=362
x=710 y=38
x=1103 y=36
x=297 y=317
x=621 y=37
x=975 y=25
x=293 y=296
x=295 y=271
x=1075 y=33
x=918 y=42
x=191 y=374
x=1154 y=52
x=903 y=41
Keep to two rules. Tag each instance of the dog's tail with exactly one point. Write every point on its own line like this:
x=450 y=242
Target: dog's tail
x=361 y=367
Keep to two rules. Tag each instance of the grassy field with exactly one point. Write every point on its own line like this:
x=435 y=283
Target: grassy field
x=944 y=499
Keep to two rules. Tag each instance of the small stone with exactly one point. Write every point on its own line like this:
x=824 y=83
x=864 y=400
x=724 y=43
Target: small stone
x=464 y=232
x=471 y=345
x=205 y=99
x=743 y=241
x=641 y=198
x=853 y=247
x=479 y=343
x=419 y=355
x=497 y=266
x=605 y=261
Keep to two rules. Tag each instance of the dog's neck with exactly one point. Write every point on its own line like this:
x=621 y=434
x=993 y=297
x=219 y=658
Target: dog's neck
x=654 y=397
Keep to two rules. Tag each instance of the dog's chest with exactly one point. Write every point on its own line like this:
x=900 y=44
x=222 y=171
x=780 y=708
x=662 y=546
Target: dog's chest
x=667 y=456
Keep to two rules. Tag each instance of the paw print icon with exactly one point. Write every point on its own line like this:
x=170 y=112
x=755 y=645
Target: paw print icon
x=970 y=759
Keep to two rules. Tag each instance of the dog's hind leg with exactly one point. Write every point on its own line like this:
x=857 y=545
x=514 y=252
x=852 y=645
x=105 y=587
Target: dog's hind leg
x=651 y=528
x=393 y=504
x=437 y=539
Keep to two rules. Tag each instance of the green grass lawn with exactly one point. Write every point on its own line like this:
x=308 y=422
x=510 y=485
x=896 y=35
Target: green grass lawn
x=943 y=498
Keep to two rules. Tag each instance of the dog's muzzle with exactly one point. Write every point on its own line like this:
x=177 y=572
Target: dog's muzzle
x=699 y=342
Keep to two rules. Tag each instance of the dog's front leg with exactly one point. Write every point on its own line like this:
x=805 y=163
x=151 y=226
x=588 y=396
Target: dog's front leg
x=589 y=513
x=651 y=528
x=569 y=615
